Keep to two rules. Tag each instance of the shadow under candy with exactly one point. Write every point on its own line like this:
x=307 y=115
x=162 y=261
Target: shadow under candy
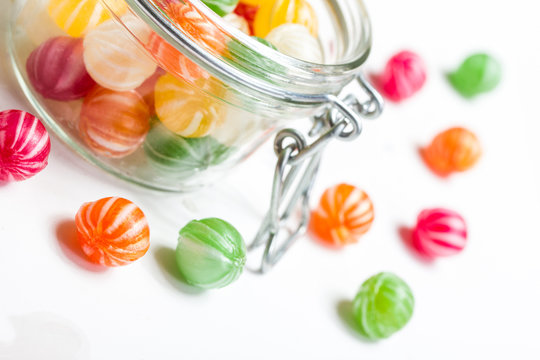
x=166 y=259
x=344 y=310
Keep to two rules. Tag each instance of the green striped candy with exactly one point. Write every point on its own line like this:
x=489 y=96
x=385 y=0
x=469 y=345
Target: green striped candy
x=383 y=305
x=221 y=7
x=179 y=156
x=479 y=73
x=210 y=253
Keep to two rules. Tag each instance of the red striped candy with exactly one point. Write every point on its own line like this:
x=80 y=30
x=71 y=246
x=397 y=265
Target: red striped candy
x=112 y=231
x=439 y=232
x=24 y=145
x=344 y=214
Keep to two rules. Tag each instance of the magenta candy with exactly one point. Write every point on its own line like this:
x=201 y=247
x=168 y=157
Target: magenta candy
x=439 y=232
x=403 y=76
x=56 y=69
x=24 y=145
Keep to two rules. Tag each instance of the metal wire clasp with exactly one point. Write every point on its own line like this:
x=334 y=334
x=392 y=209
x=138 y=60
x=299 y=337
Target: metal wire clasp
x=297 y=167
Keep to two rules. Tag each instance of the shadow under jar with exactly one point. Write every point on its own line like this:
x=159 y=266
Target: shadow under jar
x=166 y=93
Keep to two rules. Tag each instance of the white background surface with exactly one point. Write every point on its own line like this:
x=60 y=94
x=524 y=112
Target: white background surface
x=482 y=303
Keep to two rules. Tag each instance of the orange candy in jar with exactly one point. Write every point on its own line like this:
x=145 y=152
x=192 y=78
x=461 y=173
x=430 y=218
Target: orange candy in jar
x=454 y=150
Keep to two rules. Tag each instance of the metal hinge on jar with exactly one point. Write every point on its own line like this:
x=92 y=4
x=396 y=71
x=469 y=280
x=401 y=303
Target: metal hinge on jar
x=297 y=167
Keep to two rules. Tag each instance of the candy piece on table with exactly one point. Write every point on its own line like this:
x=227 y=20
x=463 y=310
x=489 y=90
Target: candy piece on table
x=36 y=22
x=210 y=253
x=24 y=145
x=295 y=40
x=112 y=231
x=174 y=61
x=238 y=22
x=78 y=17
x=344 y=214
x=275 y=13
x=56 y=69
x=383 y=306
x=185 y=109
x=113 y=59
x=197 y=26
x=221 y=7
x=248 y=12
x=403 y=76
x=179 y=156
x=114 y=124
x=479 y=73
x=453 y=150
x=439 y=232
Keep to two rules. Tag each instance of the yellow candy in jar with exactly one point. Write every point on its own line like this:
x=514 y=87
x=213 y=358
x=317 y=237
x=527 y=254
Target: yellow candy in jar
x=273 y=14
x=77 y=17
x=186 y=109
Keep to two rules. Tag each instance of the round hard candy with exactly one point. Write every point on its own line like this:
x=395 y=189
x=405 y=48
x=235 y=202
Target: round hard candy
x=275 y=13
x=479 y=73
x=78 y=17
x=453 y=150
x=403 y=76
x=185 y=109
x=24 y=145
x=56 y=69
x=113 y=59
x=112 y=231
x=439 y=232
x=238 y=22
x=295 y=40
x=221 y=7
x=383 y=305
x=344 y=214
x=179 y=156
x=210 y=253
x=250 y=60
x=146 y=90
x=114 y=124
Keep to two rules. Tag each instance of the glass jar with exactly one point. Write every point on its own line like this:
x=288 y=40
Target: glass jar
x=166 y=93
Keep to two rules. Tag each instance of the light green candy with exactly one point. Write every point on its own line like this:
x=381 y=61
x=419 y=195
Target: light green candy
x=479 y=73
x=383 y=305
x=221 y=7
x=210 y=253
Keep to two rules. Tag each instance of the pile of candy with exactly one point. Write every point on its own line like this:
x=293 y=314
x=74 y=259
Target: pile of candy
x=116 y=81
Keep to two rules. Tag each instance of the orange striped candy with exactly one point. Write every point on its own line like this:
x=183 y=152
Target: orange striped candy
x=112 y=231
x=344 y=214
x=453 y=150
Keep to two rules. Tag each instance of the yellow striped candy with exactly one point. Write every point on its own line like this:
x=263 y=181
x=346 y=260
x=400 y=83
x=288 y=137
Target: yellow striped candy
x=185 y=109
x=77 y=17
x=275 y=13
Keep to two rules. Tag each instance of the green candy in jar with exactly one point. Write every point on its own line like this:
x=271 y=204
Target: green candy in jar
x=221 y=7
x=250 y=60
x=479 y=73
x=210 y=253
x=383 y=306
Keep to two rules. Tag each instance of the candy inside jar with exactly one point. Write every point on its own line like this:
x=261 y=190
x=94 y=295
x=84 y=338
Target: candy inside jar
x=170 y=94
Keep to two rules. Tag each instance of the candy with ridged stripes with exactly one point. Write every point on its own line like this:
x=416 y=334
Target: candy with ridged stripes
x=182 y=157
x=403 y=76
x=250 y=60
x=383 y=306
x=479 y=73
x=78 y=17
x=210 y=253
x=344 y=214
x=24 y=145
x=113 y=59
x=454 y=150
x=275 y=13
x=114 y=124
x=56 y=69
x=221 y=7
x=295 y=40
x=439 y=232
x=185 y=109
x=112 y=231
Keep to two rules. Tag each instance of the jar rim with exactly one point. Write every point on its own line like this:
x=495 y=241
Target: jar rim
x=306 y=87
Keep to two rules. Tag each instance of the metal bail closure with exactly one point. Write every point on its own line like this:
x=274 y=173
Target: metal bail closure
x=297 y=167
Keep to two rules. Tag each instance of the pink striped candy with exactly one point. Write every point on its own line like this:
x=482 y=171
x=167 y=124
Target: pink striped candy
x=439 y=232
x=403 y=76
x=24 y=145
x=56 y=69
